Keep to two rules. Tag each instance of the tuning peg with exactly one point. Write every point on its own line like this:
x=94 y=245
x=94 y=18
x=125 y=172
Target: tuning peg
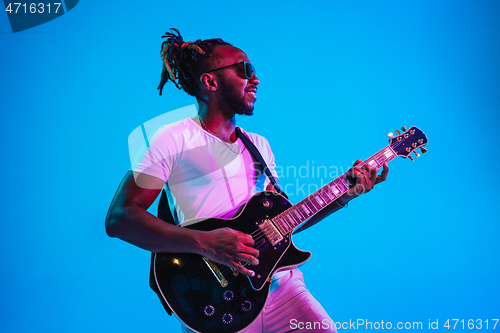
x=423 y=150
x=411 y=158
x=398 y=132
x=390 y=135
x=416 y=154
x=403 y=129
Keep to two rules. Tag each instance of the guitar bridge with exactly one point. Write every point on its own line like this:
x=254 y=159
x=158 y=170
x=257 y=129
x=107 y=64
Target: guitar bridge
x=215 y=270
x=272 y=234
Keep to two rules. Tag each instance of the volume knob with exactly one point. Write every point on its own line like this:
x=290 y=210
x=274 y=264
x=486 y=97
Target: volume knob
x=246 y=306
x=209 y=310
x=228 y=295
x=227 y=318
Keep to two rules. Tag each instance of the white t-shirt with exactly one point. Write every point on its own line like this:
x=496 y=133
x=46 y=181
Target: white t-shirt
x=206 y=176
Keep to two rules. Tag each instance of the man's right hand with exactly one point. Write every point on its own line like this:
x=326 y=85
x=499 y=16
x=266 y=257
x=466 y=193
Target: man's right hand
x=230 y=247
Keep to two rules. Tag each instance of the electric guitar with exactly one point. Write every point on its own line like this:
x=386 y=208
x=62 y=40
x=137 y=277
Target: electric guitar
x=210 y=297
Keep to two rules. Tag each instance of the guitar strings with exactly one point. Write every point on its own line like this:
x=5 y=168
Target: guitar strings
x=258 y=234
x=290 y=210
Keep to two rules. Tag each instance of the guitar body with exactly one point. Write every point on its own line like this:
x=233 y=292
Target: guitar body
x=221 y=301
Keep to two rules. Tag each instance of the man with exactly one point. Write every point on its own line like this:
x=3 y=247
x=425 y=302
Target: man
x=208 y=172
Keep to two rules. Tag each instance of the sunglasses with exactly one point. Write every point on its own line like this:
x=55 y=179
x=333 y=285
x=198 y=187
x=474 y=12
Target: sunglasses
x=248 y=68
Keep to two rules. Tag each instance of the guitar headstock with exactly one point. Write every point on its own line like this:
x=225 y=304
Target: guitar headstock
x=406 y=143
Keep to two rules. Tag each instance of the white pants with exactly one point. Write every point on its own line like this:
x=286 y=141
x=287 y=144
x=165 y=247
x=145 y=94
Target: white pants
x=290 y=307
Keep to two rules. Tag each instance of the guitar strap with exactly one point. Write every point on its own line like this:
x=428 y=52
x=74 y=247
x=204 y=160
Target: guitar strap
x=256 y=155
x=165 y=213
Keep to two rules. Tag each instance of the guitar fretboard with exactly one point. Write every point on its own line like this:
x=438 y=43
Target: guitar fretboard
x=305 y=209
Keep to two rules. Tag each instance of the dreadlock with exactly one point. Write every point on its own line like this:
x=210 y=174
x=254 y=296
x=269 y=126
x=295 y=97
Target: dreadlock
x=184 y=62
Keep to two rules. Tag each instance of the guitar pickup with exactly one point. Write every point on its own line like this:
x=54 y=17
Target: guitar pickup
x=272 y=234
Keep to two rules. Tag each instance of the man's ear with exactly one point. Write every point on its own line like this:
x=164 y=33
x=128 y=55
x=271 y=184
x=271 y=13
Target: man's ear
x=208 y=81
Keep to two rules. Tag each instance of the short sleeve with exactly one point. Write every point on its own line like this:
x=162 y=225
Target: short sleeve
x=157 y=155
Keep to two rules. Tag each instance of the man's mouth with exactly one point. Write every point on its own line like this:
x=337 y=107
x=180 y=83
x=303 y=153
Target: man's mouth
x=252 y=91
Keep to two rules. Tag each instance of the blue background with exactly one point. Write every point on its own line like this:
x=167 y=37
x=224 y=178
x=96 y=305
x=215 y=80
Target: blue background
x=336 y=77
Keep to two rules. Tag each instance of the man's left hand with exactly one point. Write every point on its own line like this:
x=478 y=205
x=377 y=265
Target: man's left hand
x=366 y=178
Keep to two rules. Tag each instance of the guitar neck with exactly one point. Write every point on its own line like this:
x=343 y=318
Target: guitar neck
x=291 y=218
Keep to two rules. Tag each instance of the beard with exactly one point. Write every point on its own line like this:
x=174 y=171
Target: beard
x=234 y=101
